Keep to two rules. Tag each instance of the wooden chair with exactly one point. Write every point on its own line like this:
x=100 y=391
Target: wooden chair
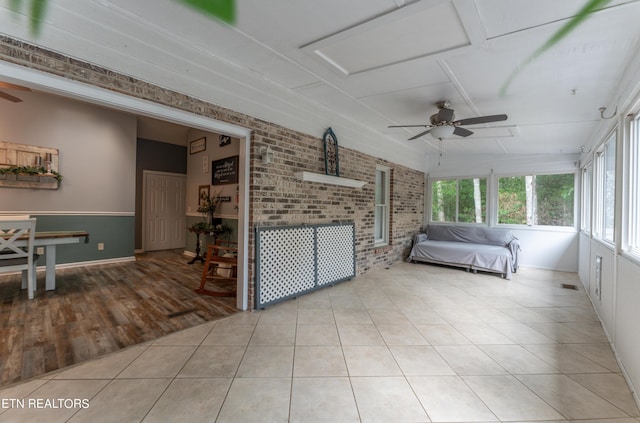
x=220 y=269
x=13 y=257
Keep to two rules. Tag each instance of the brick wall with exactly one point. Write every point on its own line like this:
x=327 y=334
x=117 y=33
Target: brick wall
x=276 y=196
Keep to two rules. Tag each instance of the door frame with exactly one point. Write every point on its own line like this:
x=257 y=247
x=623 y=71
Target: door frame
x=145 y=173
x=91 y=94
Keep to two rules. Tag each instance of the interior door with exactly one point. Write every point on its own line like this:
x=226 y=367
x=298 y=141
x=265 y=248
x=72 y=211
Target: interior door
x=164 y=201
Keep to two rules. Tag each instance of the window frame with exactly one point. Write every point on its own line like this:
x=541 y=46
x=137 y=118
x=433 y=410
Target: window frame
x=586 y=194
x=631 y=190
x=600 y=201
x=386 y=207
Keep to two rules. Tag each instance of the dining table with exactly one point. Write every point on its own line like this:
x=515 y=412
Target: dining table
x=49 y=240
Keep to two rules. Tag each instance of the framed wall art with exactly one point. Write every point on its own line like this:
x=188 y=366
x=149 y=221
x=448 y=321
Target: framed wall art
x=224 y=171
x=203 y=191
x=198 y=145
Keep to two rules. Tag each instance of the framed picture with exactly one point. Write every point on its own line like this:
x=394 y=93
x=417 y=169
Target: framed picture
x=198 y=145
x=224 y=171
x=203 y=190
x=225 y=140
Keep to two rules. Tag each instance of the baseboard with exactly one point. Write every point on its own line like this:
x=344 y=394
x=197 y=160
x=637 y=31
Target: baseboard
x=91 y=263
x=623 y=370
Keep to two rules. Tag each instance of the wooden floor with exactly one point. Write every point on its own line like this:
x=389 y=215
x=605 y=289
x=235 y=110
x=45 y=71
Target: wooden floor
x=99 y=309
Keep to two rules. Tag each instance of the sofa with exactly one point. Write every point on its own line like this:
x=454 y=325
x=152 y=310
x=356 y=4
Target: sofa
x=471 y=247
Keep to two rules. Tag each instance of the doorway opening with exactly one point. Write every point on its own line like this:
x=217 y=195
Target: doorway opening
x=112 y=100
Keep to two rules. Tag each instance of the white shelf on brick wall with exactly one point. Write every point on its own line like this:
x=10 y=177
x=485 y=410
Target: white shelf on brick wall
x=329 y=179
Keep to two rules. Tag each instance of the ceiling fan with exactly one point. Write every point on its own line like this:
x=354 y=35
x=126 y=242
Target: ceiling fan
x=7 y=85
x=443 y=123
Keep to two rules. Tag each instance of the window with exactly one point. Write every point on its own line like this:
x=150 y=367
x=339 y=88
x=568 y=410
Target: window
x=546 y=200
x=381 y=224
x=459 y=200
x=633 y=189
x=605 y=190
x=585 y=218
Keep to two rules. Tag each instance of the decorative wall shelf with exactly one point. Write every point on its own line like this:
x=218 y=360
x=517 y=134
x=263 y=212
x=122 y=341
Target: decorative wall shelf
x=29 y=181
x=329 y=179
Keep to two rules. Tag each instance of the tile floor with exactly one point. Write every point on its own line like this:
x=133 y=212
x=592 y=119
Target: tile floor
x=414 y=343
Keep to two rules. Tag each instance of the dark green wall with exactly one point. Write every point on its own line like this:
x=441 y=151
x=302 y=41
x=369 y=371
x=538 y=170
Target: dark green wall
x=160 y=157
x=116 y=232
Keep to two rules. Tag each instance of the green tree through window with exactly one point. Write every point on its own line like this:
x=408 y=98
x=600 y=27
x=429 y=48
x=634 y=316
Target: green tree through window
x=546 y=200
x=459 y=200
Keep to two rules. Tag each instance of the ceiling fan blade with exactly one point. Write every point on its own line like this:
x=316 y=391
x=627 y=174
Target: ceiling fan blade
x=481 y=119
x=408 y=126
x=10 y=97
x=13 y=86
x=462 y=132
x=445 y=115
x=420 y=134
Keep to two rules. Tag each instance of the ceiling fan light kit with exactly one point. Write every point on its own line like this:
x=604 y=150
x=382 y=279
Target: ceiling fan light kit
x=441 y=132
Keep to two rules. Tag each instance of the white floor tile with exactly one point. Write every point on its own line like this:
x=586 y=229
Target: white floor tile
x=469 y=360
x=570 y=398
x=370 y=361
x=509 y=399
x=266 y=362
x=322 y=400
x=449 y=399
x=190 y=400
x=251 y=400
x=387 y=399
x=420 y=361
x=320 y=361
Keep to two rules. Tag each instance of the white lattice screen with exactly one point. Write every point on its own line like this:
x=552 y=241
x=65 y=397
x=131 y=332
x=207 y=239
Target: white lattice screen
x=293 y=260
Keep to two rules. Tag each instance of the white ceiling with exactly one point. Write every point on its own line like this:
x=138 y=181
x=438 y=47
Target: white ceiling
x=361 y=65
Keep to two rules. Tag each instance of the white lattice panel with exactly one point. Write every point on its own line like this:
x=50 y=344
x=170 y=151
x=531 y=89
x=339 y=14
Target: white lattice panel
x=286 y=262
x=335 y=253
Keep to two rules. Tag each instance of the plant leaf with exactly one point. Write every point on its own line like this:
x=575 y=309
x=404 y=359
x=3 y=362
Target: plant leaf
x=590 y=7
x=15 y=5
x=225 y=10
x=38 y=8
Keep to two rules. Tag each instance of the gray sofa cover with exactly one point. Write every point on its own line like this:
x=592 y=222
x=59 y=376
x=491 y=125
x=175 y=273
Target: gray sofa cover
x=471 y=247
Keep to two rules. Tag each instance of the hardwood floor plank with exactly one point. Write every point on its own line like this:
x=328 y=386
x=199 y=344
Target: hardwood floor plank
x=99 y=309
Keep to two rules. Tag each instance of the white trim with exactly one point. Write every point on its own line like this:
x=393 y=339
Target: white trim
x=329 y=179
x=91 y=263
x=222 y=216
x=70 y=213
x=72 y=89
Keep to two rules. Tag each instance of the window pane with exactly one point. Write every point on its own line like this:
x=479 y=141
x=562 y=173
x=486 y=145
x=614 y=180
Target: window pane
x=633 y=220
x=546 y=200
x=381 y=207
x=379 y=223
x=609 y=188
x=512 y=200
x=586 y=199
x=443 y=200
x=554 y=200
x=380 y=186
x=472 y=198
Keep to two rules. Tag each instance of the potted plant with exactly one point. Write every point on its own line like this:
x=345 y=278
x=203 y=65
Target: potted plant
x=208 y=206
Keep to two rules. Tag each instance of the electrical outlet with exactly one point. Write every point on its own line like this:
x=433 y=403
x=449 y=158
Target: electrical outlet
x=40 y=251
x=100 y=246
